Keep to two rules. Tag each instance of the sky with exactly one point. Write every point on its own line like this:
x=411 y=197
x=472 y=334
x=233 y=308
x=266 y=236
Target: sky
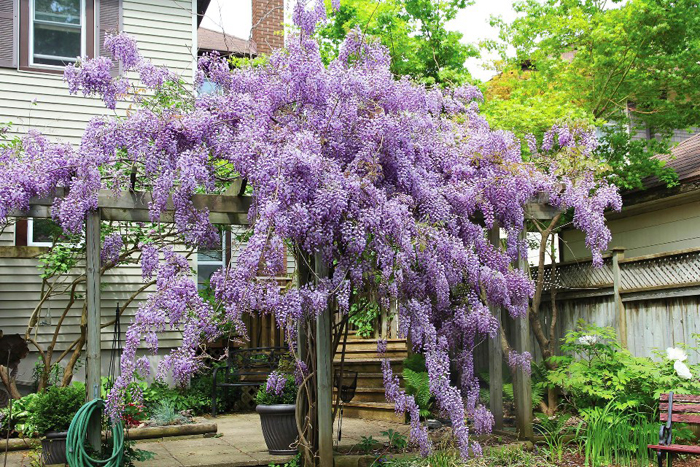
x=234 y=17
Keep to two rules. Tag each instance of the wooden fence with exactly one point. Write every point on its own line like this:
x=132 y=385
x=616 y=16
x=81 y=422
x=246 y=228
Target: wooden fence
x=652 y=301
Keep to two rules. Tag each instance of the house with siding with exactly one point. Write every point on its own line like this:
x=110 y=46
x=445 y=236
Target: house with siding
x=648 y=288
x=37 y=40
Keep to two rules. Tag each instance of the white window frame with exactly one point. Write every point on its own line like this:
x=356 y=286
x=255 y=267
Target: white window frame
x=221 y=263
x=83 y=38
x=30 y=235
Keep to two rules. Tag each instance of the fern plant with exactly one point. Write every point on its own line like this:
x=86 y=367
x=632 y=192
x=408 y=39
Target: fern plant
x=417 y=383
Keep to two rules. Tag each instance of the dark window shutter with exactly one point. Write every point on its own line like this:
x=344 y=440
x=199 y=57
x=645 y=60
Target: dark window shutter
x=108 y=21
x=9 y=20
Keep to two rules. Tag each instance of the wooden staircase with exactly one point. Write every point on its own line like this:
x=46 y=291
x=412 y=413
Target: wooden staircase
x=361 y=356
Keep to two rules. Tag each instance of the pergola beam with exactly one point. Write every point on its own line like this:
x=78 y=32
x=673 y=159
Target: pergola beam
x=133 y=207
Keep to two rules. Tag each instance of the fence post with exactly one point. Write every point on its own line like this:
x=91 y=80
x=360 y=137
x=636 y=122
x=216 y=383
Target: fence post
x=618 y=253
x=496 y=354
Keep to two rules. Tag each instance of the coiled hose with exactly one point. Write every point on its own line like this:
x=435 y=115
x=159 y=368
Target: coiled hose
x=75 y=444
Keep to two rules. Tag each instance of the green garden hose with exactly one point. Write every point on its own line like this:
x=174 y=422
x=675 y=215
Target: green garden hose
x=75 y=444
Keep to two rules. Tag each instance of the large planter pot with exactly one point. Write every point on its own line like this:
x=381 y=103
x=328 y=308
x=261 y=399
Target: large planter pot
x=279 y=427
x=53 y=447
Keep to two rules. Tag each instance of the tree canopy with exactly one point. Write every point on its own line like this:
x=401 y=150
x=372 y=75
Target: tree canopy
x=603 y=63
x=414 y=32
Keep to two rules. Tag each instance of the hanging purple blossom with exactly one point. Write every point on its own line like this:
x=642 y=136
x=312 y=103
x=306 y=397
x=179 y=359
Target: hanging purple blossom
x=383 y=179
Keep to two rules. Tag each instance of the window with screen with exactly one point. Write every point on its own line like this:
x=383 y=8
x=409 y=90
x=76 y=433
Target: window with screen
x=57 y=31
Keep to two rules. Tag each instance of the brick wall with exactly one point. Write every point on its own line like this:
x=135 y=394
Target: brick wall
x=268 y=29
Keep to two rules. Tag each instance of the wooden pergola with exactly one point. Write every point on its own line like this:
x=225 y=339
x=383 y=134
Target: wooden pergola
x=232 y=209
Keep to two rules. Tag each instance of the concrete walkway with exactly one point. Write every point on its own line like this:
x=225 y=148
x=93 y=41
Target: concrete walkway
x=242 y=443
x=239 y=443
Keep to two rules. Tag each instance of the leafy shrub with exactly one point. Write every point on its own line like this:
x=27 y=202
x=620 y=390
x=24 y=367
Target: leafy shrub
x=396 y=440
x=363 y=315
x=53 y=409
x=415 y=362
x=595 y=370
x=21 y=416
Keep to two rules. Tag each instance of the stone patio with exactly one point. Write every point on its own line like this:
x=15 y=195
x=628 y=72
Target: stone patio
x=239 y=442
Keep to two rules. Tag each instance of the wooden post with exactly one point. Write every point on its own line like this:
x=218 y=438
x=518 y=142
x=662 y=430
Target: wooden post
x=618 y=253
x=94 y=351
x=324 y=368
x=521 y=382
x=385 y=324
x=496 y=354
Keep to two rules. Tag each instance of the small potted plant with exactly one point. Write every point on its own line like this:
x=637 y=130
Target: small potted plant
x=51 y=414
x=276 y=406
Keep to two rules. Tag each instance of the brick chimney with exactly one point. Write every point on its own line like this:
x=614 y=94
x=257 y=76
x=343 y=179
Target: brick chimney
x=268 y=27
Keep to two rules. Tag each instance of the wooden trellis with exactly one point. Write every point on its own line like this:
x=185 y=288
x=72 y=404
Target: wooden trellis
x=233 y=210
x=130 y=207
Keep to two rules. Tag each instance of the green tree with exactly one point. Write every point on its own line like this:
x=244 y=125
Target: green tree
x=414 y=31
x=603 y=63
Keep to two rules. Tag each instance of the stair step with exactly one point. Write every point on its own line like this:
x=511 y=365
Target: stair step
x=372 y=353
x=368 y=365
x=373 y=411
x=371 y=347
x=368 y=395
x=371 y=380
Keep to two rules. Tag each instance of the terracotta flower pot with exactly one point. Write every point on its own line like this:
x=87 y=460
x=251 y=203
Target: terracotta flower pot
x=279 y=427
x=53 y=447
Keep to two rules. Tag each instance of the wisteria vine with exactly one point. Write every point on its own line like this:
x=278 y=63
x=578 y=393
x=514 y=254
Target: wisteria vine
x=392 y=182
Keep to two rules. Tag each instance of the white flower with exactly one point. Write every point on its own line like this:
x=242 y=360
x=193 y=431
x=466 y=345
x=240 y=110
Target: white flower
x=588 y=339
x=679 y=355
x=682 y=370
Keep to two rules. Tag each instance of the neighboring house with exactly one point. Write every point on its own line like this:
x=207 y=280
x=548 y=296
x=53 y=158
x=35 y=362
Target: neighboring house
x=37 y=40
x=225 y=44
x=650 y=293
x=657 y=219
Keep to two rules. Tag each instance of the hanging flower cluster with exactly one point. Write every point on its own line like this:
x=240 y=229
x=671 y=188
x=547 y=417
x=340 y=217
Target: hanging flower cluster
x=391 y=182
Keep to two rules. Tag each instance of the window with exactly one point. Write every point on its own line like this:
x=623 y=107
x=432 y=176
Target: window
x=41 y=232
x=56 y=31
x=208 y=262
x=53 y=33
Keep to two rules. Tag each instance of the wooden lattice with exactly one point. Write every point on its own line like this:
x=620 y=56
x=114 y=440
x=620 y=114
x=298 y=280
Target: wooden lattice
x=578 y=276
x=676 y=269
x=660 y=271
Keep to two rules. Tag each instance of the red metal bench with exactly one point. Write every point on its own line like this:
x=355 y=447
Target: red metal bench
x=681 y=408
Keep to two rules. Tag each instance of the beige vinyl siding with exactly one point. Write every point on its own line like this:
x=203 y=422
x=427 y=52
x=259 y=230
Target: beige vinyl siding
x=663 y=230
x=164 y=32
x=7 y=236
x=163 y=29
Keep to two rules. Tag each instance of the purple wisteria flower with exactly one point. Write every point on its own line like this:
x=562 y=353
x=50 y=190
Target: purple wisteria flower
x=383 y=179
x=111 y=247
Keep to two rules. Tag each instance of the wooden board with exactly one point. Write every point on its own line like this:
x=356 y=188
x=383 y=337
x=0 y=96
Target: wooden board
x=681 y=448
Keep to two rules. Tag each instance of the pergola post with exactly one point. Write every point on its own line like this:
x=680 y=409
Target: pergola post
x=496 y=354
x=94 y=351
x=324 y=368
x=522 y=388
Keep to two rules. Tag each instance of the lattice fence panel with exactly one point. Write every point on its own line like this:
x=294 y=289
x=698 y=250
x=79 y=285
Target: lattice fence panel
x=664 y=271
x=578 y=276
